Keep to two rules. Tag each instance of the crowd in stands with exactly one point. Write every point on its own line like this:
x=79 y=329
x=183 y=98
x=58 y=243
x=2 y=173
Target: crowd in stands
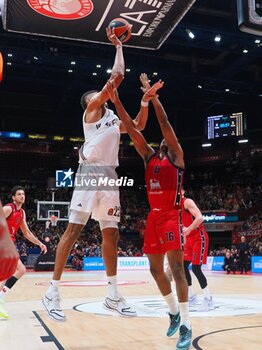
x=204 y=188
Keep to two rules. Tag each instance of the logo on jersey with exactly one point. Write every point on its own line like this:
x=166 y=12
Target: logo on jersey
x=155 y=185
x=112 y=123
x=157 y=169
x=62 y=9
x=64 y=178
x=98 y=126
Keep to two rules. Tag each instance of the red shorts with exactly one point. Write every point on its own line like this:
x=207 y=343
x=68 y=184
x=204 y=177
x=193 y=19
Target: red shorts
x=163 y=232
x=196 y=247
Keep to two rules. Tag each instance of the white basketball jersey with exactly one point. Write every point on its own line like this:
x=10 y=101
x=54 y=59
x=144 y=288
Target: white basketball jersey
x=102 y=139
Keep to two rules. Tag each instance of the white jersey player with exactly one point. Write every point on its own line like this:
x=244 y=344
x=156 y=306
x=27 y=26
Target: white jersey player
x=102 y=130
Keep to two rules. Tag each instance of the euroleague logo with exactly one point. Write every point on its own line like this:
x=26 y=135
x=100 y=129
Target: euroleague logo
x=62 y=9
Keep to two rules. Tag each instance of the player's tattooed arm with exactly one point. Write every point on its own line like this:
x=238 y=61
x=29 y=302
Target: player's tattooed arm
x=138 y=139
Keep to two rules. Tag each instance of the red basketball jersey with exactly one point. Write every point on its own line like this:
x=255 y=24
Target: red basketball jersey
x=164 y=181
x=14 y=220
x=187 y=219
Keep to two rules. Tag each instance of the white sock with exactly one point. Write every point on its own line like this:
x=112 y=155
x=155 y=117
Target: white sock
x=112 y=287
x=190 y=291
x=206 y=293
x=53 y=288
x=171 y=302
x=4 y=292
x=184 y=313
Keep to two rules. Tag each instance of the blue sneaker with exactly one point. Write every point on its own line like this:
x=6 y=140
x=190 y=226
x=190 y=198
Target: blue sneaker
x=185 y=338
x=174 y=324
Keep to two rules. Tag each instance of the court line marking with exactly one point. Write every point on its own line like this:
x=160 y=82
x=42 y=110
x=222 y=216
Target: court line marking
x=50 y=338
x=196 y=340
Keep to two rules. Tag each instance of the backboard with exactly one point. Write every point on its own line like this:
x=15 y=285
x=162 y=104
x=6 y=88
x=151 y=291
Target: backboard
x=45 y=209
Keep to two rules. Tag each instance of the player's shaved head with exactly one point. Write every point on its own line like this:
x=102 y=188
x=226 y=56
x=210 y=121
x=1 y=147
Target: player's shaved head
x=83 y=98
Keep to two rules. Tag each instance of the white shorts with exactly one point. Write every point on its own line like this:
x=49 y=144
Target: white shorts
x=104 y=205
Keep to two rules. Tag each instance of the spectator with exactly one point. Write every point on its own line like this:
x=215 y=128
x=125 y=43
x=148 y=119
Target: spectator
x=229 y=263
x=243 y=255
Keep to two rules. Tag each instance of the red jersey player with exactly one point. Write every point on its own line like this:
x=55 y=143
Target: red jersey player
x=8 y=253
x=16 y=218
x=195 y=251
x=163 y=235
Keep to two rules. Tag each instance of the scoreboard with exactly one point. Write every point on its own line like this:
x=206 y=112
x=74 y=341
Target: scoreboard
x=226 y=125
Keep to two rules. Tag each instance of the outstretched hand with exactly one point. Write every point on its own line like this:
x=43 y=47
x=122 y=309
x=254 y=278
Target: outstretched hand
x=112 y=91
x=145 y=82
x=152 y=92
x=112 y=37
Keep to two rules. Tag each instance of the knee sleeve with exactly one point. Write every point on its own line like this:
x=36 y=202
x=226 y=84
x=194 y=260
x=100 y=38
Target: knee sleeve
x=187 y=273
x=78 y=217
x=107 y=224
x=199 y=275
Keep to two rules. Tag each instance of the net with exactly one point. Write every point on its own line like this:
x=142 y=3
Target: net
x=53 y=220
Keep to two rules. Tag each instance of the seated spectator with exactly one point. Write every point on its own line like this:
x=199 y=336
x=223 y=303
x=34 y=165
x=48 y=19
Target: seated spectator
x=229 y=263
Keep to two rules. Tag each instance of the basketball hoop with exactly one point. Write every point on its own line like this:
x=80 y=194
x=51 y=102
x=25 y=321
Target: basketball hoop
x=53 y=220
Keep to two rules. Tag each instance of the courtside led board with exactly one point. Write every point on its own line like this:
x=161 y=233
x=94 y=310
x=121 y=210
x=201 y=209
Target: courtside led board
x=152 y=20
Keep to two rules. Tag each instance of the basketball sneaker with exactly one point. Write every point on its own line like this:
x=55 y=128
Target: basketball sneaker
x=119 y=306
x=207 y=305
x=53 y=308
x=3 y=312
x=192 y=300
x=174 y=324
x=185 y=338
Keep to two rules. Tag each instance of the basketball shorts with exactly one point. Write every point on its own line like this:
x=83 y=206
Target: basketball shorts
x=163 y=232
x=196 y=248
x=102 y=203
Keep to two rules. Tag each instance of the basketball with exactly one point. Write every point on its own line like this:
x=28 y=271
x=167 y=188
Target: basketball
x=122 y=29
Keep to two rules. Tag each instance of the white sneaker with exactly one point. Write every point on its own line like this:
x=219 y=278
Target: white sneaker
x=193 y=300
x=207 y=305
x=53 y=307
x=120 y=306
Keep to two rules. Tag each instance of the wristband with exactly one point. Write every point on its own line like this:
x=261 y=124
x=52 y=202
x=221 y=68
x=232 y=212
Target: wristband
x=118 y=45
x=144 y=104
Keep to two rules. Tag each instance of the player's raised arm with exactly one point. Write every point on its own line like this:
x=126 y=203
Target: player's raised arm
x=119 y=64
x=149 y=93
x=8 y=254
x=174 y=148
x=30 y=236
x=141 y=118
x=139 y=141
x=191 y=206
x=118 y=72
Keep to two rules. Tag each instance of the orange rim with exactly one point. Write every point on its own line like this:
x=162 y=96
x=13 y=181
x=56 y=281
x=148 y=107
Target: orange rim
x=1 y=67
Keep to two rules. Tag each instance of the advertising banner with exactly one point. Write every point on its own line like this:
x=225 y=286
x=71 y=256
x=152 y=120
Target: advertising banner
x=152 y=20
x=218 y=261
x=256 y=264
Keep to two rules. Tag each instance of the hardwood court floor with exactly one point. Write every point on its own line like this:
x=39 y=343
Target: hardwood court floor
x=235 y=324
